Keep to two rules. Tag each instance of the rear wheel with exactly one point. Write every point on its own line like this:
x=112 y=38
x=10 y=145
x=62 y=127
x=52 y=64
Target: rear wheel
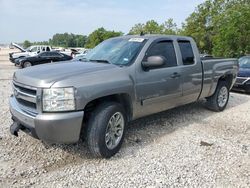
x=219 y=100
x=27 y=64
x=105 y=129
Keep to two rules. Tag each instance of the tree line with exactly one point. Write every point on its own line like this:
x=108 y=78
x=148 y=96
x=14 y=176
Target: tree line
x=72 y=40
x=219 y=27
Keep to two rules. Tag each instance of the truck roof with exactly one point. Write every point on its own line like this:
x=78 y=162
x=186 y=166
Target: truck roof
x=155 y=36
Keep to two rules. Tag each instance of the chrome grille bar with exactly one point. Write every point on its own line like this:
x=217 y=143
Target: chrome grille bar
x=23 y=95
x=26 y=97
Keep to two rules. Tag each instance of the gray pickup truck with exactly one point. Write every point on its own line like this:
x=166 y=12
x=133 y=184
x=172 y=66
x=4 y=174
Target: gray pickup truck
x=120 y=80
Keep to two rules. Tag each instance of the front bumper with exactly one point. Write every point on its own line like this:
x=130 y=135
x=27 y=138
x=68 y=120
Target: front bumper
x=242 y=84
x=243 y=88
x=50 y=127
x=12 y=60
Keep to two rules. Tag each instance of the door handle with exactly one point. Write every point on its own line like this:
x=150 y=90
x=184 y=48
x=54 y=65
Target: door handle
x=175 y=75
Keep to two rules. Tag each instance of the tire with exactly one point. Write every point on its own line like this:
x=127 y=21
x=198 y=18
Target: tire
x=26 y=64
x=100 y=130
x=219 y=100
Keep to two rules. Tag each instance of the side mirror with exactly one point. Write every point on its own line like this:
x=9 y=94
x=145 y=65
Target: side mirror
x=153 y=62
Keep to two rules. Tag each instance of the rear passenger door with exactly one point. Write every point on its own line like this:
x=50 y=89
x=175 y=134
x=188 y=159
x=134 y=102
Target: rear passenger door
x=191 y=71
x=159 y=88
x=45 y=58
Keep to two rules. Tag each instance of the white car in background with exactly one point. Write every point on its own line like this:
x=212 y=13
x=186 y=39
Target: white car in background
x=74 y=52
x=82 y=52
x=31 y=51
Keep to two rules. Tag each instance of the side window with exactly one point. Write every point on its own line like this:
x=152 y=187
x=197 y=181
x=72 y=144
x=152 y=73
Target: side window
x=186 y=52
x=47 y=49
x=165 y=49
x=45 y=54
x=34 y=49
x=55 y=54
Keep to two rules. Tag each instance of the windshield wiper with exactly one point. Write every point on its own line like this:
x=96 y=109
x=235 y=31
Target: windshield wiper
x=100 y=61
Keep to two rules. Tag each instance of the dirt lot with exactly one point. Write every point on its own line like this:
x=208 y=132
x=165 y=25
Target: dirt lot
x=186 y=146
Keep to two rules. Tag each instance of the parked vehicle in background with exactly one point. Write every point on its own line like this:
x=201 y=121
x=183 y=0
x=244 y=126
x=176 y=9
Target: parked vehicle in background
x=69 y=52
x=31 y=51
x=206 y=56
x=42 y=58
x=243 y=78
x=74 y=52
x=80 y=57
x=123 y=79
x=82 y=52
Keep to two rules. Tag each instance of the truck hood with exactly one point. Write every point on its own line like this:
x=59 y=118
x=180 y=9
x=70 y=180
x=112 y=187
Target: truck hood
x=18 y=47
x=244 y=72
x=46 y=75
x=20 y=54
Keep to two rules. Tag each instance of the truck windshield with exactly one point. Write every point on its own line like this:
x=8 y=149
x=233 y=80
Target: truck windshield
x=28 y=49
x=118 y=51
x=244 y=62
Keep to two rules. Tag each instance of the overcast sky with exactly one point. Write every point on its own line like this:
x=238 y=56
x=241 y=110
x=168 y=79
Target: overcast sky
x=38 y=20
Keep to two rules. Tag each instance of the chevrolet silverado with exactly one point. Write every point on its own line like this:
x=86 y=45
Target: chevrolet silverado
x=120 y=80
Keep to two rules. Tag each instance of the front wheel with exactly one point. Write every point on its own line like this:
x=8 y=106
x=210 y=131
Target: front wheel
x=219 y=100
x=26 y=64
x=106 y=129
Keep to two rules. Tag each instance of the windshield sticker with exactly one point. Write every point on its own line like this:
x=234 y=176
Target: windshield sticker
x=136 y=40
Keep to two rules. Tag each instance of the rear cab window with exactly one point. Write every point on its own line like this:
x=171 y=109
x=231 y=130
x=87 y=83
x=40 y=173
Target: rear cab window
x=186 y=52
x=163 y=48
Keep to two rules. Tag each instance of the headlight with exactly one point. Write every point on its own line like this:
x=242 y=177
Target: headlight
x=58 y=99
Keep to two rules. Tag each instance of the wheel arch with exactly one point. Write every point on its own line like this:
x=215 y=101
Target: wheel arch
x=228 y=78
x=22 y=63
x=123 y=98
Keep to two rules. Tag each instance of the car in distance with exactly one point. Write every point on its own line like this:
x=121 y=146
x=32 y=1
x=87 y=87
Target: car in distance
x=42 y=58
x=243 y=78
x=122 y=79
x=31 y=51
x=206 y=56
x=79 y=57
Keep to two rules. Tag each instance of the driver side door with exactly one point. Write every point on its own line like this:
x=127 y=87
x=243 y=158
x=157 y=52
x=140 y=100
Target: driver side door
x=159 y=88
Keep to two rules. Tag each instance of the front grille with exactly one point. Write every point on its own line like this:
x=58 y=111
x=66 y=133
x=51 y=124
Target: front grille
x=26 y=90
x=26 y=97
x=26 y=103
x=240 y=80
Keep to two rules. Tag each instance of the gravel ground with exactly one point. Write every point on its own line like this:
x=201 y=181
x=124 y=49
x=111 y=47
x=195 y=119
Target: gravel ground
x=186 y=146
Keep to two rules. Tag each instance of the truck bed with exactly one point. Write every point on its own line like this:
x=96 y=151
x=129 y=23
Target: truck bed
x=213 y=69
